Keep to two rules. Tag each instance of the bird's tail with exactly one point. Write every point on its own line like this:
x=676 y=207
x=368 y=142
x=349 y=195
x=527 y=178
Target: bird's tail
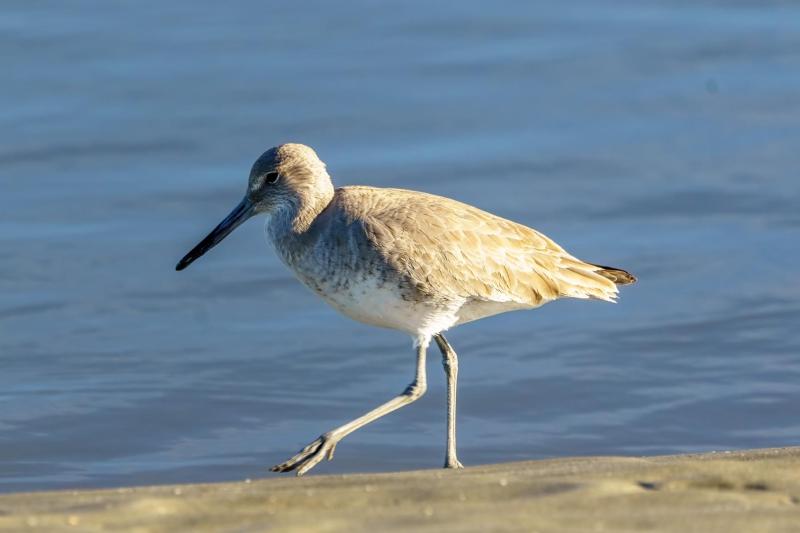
x=617 y=275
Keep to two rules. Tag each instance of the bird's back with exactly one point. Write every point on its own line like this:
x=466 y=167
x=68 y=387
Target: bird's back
x=450 y=251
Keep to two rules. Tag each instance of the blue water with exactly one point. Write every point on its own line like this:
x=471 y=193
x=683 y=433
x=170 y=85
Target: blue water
x=660 y=137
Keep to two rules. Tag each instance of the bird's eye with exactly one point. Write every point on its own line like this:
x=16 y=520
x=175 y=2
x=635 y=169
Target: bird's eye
x=271 y=177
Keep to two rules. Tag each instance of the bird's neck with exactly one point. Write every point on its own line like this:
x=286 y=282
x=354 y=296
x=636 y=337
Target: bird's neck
x=295 y=219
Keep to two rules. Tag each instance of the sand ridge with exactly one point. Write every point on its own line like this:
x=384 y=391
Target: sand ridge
x=752 y=491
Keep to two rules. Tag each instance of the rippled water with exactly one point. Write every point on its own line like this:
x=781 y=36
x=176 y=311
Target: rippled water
x=661 y=137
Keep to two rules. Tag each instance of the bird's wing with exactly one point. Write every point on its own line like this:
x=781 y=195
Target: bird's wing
x=445 y=248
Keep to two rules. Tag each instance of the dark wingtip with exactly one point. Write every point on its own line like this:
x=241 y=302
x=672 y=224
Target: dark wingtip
x=183 y=263
x=617 y=275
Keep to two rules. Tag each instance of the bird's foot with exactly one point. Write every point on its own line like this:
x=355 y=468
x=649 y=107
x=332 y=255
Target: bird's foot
x=453 y=463
x=308 y=457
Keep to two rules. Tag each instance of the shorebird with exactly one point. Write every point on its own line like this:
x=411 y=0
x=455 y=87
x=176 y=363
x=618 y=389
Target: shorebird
x=403 y=260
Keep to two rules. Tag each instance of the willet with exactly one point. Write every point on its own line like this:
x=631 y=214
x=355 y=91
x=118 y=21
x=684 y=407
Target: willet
x=404 y=260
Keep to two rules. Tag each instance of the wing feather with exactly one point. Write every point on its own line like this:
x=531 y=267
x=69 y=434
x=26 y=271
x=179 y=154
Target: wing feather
x=450 y=250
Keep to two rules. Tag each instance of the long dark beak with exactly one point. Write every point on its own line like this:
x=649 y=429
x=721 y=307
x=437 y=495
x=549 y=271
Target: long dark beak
x=242 y=212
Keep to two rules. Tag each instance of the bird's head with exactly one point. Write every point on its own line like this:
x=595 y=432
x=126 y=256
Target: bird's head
x=287 y=178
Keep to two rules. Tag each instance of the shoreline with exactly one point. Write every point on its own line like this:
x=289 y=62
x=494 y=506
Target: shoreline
x=753 y=490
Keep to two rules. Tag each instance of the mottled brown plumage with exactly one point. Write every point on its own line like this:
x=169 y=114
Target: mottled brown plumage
x=448 y=249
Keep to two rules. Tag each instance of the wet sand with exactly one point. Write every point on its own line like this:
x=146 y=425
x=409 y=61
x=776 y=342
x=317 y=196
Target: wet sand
x=757 y=490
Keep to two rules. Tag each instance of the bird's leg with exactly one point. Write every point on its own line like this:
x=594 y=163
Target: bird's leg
x=325 y=445
x=450 y=363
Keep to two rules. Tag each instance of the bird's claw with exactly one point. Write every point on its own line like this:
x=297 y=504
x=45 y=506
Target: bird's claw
x=309 y=457
x=453 y=463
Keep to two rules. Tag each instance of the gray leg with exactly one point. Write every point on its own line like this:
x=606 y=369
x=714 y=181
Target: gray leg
x=450 y=363
x=325 y=445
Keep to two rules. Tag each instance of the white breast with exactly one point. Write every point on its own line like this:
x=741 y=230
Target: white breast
x=369 y=300
x=337 y=270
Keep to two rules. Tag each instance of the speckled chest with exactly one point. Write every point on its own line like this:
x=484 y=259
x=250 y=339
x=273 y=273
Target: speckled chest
x=362 y=287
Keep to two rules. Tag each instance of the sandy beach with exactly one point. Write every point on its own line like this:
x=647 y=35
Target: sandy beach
x=757 y=490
